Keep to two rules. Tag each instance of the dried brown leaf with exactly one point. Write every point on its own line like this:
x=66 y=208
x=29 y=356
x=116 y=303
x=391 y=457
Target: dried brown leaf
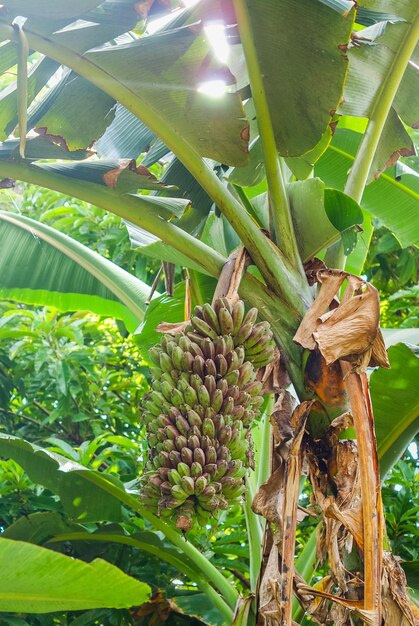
x=312 y=267
x=396 y=604
x=231 y=275
x=326 y=381
x=350 y=518
x=343 y=469
x=281 y=421
x=268 y=500
x=274 y=376
x=369 y=617
x=269 y=591
x=172 y=328
x=111 y=178
x=350 y=331
x=331 y=281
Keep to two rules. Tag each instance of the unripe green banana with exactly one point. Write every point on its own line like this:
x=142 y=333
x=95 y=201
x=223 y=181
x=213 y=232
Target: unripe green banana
x=174 y=477
x=174 y=458
x=183 y=469
x=188 y=484
x=211 y=455
x=217 y=400
x=200 y=484
x=210 y=367
x=203 y=396
x=190 y=396
x=199 y=366
x=243 y=333
x=193 y=442
x=207 y=347
x=198 y=456
x=200 y=326
x=221 y=365
x=211 y=318
x=165 y=362
x=194 y=419
x=238 y=316
x=181 y=442
x=226 y=321
x=187 y=455
x=186 y=362
x=196 y=469
x=179 y=493
x=154 y=354
x=220 y=346
x=232 y=377
x=168 y=445
x=208 y=428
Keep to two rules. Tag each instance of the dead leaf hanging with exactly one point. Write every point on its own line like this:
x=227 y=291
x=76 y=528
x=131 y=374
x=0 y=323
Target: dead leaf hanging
x=350 y=331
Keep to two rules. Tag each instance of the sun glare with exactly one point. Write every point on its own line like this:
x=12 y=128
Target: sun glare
x=214 y=88
x=215 y=32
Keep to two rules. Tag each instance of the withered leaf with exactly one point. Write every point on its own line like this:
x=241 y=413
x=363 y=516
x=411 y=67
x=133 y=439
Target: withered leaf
x=396 y=606
x=281 y=419
x=268 y=500
x=274 y=375
x=269 y=591
x=111 y=177
x=369 y=617
x=350 y=331
x=172 y=328
x=331 y=281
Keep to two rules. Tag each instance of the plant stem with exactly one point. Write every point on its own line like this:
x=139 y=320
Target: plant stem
x=265 y=453
x=278 y=197
x=152 y=549
x=246 y=203
x=274 y=266
x=255 y=538
x=209 y=571
x=358 y=176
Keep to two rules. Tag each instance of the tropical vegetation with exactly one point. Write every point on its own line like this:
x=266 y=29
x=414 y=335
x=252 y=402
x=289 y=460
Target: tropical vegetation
x=154 y=159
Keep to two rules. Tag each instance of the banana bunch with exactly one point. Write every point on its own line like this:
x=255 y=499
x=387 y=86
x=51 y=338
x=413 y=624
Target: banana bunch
x=205 y=396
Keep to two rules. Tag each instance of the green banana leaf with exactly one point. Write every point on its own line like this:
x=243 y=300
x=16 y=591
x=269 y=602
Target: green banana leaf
x=42 y=581
x=396 y=405
x=304 y=91
x=40 y=265
x=393 y=202
x=80 y=497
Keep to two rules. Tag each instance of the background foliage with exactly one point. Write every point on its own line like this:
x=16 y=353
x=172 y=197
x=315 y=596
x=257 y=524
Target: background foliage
x=73 y=383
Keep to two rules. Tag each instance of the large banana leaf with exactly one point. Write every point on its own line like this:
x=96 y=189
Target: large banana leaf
x=63 y=111
x=40 y=265
x=396 y=405
x=370 y=61
x=59 y=9
x=320 y=215
x=300 y=46
x=165 y=71
x=42 y=581
x=393 y=201
x=81 y=498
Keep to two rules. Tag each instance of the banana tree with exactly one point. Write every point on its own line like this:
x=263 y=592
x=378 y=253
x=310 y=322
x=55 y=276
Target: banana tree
x=257 y=145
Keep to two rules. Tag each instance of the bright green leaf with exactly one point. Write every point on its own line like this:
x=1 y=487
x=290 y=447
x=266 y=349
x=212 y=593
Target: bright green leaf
x=40 y=265
x=396 y=405
x=43 y=581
